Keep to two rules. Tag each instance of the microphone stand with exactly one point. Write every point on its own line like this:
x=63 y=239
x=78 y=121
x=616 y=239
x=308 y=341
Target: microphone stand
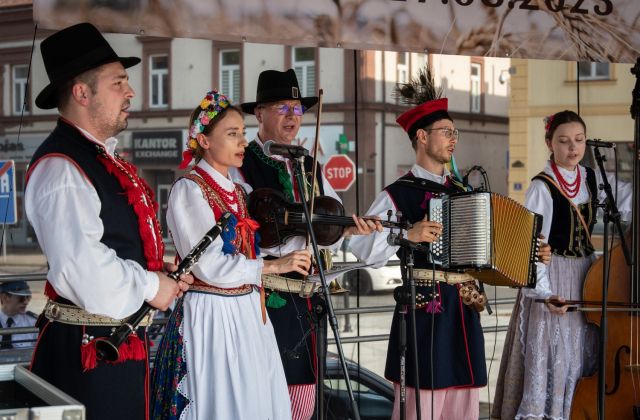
x=611 y=215
x=405 y=297
x=299 y=175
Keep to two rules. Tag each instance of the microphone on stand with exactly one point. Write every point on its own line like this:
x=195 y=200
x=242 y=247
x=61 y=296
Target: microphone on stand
x=396 y=240
x=600 y=143
x=271 y=148
x=465 y=179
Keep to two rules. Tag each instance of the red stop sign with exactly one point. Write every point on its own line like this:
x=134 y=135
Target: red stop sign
x=340 y=171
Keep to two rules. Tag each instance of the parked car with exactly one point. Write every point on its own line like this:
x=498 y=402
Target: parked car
x=372 y=280
x=373 y=393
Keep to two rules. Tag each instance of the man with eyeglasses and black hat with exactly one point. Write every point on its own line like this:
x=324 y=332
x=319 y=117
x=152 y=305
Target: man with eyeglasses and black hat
x=279 y=108
x=14 y=299
x=95 y=220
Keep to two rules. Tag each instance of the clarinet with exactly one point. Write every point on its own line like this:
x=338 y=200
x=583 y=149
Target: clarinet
x=107 y=348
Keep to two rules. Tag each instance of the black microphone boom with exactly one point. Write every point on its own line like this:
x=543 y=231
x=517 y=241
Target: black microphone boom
x=107 y=348
x=272 y=148
x=600 y=143
x=396 y=240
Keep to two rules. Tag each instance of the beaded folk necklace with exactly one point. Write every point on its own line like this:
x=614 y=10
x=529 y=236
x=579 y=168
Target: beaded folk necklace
x=229 y=198
x=570 y=188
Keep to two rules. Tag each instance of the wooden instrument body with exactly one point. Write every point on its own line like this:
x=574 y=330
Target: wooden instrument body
x=620 y=398
x=280 y=219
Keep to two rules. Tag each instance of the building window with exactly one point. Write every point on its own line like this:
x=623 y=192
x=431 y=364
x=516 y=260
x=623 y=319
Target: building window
x=19 y=77
x=304 y=64
x=476 y=87
x=230 y=74
x=158 y=81
x=593 y=71
x=402 y=67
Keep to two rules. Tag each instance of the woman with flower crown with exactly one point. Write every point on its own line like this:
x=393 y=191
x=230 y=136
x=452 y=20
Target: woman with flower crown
x=547 y=349
x=218 y=358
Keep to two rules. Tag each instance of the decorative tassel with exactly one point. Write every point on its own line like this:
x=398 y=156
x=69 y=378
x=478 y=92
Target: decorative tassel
x=275 y=301
x=433 y=307
x=136 y=348
x=88 y=356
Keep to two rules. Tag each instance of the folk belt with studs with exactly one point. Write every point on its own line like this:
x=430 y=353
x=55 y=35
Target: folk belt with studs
x=74 y=315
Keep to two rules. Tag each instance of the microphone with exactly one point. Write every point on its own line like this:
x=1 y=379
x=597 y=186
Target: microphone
x=396 y=240
x=600 y=143
x=465 y=179
x=271 y=148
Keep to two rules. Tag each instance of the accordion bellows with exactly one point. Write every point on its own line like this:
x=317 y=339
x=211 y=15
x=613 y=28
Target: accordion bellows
x=492 y=237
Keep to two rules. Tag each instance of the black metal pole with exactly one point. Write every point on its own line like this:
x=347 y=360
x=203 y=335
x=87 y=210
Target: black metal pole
x=611 y=214
x=405 y=297
x=333 y=321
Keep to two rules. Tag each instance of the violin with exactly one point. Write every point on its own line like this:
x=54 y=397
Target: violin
x=281 y=219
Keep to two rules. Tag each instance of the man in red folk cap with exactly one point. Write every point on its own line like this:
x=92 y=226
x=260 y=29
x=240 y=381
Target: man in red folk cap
x=95 y=220
x=451 y=363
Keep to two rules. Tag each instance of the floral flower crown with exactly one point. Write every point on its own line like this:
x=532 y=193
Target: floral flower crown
x=212 y=105
x=547 y=123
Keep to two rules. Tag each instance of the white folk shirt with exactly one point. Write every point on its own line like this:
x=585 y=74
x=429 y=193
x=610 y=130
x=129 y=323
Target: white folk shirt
x=189 y=217
x=64 y=209
x=295 y=243
x=538 y=199
x=374 y=249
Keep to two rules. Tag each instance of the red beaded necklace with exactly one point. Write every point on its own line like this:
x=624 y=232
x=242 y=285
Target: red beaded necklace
x=229 y=198
x=570 y=188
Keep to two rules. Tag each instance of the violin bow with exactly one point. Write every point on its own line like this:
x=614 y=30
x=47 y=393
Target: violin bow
x=315 y=160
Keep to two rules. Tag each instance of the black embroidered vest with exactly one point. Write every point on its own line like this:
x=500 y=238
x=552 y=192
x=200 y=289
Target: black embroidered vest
x=118 y=218
x=260 y=174
x=411 y=201
x=567 y=236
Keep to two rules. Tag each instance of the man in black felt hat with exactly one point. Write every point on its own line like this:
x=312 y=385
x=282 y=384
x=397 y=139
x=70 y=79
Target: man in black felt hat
x=95 y=222
x=279 y=108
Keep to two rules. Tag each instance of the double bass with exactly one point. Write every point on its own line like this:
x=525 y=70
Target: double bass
x=621 y=375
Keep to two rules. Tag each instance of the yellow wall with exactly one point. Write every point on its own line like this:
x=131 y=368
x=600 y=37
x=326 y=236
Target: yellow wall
x=540 y=88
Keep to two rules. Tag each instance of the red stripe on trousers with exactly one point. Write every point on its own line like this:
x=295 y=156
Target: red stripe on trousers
x=303 y=399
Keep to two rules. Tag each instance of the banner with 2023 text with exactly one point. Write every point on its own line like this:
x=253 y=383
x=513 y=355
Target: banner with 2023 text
x=576 y=30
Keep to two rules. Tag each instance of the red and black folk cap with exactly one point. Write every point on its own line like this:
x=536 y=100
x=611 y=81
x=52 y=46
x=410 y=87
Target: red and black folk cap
x=428 y=105
x=424 y=115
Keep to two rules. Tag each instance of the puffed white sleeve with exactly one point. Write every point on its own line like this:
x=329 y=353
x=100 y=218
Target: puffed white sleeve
x=622 y=191
x=374 y=249
x=538 y=200
x=189 y=217
x=64 y=209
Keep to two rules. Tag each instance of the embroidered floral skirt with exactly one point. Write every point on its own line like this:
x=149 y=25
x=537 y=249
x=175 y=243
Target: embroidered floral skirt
x=545 y=354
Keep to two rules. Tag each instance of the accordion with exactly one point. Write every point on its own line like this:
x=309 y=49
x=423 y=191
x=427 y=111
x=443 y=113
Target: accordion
x=491 y=236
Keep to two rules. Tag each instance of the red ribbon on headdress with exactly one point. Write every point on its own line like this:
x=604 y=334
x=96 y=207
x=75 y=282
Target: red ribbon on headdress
x=187 y=157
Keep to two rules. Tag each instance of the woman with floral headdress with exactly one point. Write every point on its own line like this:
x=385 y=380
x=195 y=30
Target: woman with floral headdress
x=218 y=358
x=547 y=349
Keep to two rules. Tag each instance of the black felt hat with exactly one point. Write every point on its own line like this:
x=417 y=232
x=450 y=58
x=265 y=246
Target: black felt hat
x=276 y=86
x=71 y=52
